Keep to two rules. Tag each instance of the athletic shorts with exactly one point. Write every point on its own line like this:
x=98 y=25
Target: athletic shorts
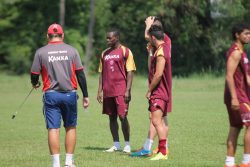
x=115 y=106
x=158 y=104
x=238 y=118
x=59 y=105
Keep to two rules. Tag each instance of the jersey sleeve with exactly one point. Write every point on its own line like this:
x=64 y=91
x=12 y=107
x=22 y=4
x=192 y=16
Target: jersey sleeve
x=77 y=61
x=100 y=63
x=100 y=66
x=36 y=65
x=130 y=64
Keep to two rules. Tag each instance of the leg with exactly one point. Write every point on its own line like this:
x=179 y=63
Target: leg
x=246 y=156
x=247 y=141
x=126 y=133
x=114 y=127
x=152 y=131
x=70 y=140
x=125 y=127
x=54 y=146
x=232 y=140
x=161 y=132
x=158 y=124
x=54 y=141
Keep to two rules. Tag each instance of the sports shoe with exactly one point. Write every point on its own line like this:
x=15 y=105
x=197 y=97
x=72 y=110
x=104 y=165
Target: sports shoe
x=141 y=152
x=111 y=149
x=244 y=165
x=230 y=166
x=72 y=165
x=159 y=156
x=127 y=149
x=155 y=151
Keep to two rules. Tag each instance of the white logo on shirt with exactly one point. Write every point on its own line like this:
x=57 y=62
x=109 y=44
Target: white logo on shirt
x=57 y=58
x=111 y=57
x=245 y=60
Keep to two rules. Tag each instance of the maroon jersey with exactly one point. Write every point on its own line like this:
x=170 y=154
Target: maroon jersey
x=114 y=65
x=164 y=89
x=239 y=78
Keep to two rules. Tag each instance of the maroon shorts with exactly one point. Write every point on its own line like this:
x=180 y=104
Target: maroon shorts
x=115 y=106
x=156 y=104
x=238 y=118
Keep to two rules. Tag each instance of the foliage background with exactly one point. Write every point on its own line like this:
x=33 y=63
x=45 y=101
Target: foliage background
x=200 y=29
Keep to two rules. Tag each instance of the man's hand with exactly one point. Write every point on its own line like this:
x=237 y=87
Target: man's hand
x=85 y=102
x=37 y=85
x=148 y=94
x=235 y=104
x=99 y=97
x=149 y=21
x=127 y=97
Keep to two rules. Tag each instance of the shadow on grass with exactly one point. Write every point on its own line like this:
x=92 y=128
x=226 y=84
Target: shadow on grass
x=94 y=148
x=240 y=145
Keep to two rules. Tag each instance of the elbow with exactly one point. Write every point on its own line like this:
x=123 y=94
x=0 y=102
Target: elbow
x=158 y=76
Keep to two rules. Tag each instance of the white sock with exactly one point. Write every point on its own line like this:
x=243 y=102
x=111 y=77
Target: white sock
x=127 y=143
x=246 y=159
x=230 y=161
x=55 y=160
x=148 y=144
x=117 y=144
x=69 y=159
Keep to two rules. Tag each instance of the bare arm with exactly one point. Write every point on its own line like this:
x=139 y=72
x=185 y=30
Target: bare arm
x=99 y=93
x=130 y=75
x=150 y=54
x=232 y=64
x=160 y=65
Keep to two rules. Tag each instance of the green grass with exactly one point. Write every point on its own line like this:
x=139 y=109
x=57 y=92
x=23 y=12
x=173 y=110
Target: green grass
x=198 y=126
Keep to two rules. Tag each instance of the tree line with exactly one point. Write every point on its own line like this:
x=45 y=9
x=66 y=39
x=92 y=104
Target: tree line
x=200 y=30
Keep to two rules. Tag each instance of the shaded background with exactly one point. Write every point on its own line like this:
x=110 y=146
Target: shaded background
x=199 y=29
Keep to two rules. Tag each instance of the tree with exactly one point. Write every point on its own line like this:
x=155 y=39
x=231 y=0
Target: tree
x=62 y=12
x=89 y=45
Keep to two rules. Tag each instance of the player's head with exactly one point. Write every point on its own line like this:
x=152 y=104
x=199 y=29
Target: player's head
x=112 y=37
x=155 y=34
x=55 y=31
x=241 y=32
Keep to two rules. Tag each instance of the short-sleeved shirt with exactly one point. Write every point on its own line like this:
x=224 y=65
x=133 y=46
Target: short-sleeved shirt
x=163 y=90
x=57 y=63
x=114 y=65
x=239 y=76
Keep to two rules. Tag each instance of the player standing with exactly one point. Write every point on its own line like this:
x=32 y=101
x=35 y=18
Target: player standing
x=116 y=74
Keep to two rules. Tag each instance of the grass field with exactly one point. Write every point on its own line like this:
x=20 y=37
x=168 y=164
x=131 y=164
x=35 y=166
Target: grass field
x=198 y=126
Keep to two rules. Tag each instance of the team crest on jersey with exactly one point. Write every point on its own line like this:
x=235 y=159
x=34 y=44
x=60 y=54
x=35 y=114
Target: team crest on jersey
x=245 y=60
x=111 y=62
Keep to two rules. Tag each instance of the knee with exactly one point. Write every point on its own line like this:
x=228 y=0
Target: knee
x=123 y=118
x=155 y=121
x=112 y=118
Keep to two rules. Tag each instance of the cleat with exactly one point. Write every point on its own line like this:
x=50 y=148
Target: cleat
x=141 y=152
x=155 y=151
x=72 y=165
x=127 y=149
x=111 y=149
x=159 y=156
